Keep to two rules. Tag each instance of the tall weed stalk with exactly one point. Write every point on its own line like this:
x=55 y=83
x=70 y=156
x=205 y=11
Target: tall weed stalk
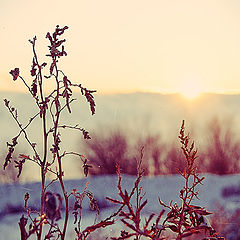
x=50 y=158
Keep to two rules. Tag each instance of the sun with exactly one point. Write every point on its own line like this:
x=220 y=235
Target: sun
x=191 y=93
x=191 y=90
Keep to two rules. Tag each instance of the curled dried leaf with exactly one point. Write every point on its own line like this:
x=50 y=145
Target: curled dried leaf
x=19 y=165
x=26 y=198
x=15 y=73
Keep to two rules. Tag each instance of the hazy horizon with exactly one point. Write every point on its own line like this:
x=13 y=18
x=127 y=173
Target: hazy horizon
x=98 y=92
x=138 y=115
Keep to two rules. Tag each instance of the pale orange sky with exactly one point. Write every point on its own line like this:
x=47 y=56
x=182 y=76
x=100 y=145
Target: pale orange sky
x=129 y=45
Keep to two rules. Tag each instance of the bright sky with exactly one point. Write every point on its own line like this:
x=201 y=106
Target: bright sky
x=129 y=45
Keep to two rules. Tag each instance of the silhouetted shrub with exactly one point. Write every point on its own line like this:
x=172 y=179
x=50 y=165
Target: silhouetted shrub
x=174 y=160
x=159 y=158
x=105 y=151
x=154 y=153
x=222 y=153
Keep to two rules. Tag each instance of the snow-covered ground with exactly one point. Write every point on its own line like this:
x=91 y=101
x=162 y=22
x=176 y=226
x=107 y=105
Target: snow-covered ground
x=224 y=190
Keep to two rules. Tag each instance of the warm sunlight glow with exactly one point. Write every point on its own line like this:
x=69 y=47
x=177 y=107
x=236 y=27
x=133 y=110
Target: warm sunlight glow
x=191 y=89
x=191 y=93
x=157 y=45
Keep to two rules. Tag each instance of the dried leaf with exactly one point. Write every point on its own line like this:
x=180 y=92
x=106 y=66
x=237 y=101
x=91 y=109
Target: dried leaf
x=15 y=73
x=26 y=198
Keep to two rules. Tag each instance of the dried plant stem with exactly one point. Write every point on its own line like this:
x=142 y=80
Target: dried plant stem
x=59 y=158
x=53 y=104
x=45 y=142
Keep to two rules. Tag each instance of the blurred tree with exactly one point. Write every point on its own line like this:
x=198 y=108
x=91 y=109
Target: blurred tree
x=223 y=149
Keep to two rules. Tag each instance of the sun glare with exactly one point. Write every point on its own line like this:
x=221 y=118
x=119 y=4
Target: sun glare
x=191 y=93
x=191 y=90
